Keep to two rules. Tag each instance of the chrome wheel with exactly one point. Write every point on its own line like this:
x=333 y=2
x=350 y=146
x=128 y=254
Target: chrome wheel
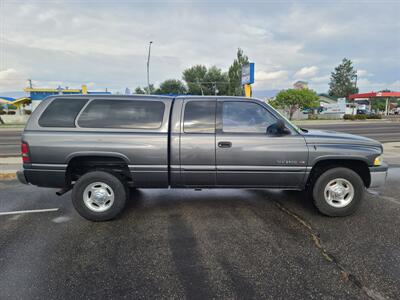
x=98 y=196
x=339 y=192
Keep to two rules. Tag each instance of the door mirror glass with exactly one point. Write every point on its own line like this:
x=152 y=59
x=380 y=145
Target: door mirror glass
x=278 y=128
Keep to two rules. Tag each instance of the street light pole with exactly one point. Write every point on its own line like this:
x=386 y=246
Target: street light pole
x=148 y=66
x=355 y=83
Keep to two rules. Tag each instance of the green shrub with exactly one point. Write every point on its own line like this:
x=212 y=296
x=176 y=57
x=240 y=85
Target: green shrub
x=355 y=117
x=348 y=117
x=28 y=111
x=312 y=117
x=11 y=112
x=361 y=117
x=2 y=112
x=374 y=116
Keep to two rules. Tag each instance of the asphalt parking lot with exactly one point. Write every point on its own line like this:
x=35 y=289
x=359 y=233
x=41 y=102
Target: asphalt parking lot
x=199 y=244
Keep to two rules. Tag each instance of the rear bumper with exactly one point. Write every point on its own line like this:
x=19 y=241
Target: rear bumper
x=378 y=176
x=52 y=176
x=21 y=177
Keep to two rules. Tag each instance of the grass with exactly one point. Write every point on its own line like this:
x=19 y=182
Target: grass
x=12 y=125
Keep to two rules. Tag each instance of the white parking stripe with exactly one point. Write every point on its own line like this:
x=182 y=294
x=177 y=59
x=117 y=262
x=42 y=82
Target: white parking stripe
x=5 y=213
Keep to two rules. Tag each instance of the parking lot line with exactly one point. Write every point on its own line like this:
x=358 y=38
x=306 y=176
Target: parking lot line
x=5 y=213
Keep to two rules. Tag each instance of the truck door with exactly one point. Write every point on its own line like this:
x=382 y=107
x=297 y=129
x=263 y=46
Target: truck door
x=246 y=156
x=197 y=142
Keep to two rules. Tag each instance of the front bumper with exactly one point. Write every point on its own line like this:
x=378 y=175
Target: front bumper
x=21 y=177
x=378 y=176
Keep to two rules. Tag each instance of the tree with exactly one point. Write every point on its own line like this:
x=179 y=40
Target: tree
x=139 y=90
x=203 y=81
x=378 y=104
x=217 y=82
x=235 y=74
x=152 y=89
x=292 y=99
x=171 y=86
x=195 y=78
x=343 y=79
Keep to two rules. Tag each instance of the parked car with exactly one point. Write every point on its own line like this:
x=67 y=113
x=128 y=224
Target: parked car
x=363 y=112
x=100 y=146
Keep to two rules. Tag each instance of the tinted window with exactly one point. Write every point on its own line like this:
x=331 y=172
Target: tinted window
x=129 y=114
x=61 y=113
x=245 y=117
x=199 y=117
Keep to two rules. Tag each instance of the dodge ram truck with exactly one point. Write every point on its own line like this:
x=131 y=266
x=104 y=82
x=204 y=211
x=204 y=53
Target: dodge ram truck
x=101 y=146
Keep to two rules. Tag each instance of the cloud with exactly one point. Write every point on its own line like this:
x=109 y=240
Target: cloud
x=306 y=72
x=271 y=80
x=261 y=75
x=366 y=85
x=363 y=73
x=320 y=79
x=73 y=42
x=11 y=79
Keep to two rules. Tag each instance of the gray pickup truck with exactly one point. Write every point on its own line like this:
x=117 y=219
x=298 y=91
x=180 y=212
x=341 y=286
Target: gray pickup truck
x=101 y=146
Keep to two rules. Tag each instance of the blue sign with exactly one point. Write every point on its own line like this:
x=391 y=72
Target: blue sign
x=248 y=74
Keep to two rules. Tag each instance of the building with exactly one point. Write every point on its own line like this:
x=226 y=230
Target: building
x=7 y=102
x=325 y=98
x=300 y=85
x=36 y=95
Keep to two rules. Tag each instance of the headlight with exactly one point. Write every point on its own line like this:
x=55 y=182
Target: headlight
x=378 y=161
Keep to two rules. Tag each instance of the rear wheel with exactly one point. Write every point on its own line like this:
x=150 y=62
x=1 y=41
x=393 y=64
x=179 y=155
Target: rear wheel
x=99 y=196
x=338 y=192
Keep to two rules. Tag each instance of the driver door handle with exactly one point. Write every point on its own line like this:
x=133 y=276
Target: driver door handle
x=224 y=144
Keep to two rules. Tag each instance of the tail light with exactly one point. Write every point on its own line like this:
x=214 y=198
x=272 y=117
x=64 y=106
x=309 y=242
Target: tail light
x=25 y=152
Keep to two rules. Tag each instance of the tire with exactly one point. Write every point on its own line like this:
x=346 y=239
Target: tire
x=99 y=196
x=338 y=192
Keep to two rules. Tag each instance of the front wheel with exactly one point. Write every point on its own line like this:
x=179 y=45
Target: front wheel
x=99 y=196
x=338 y=192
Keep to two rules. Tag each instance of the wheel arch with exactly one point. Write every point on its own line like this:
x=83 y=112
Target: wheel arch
x=359 y=166
x=97 y=154
x=81 y=163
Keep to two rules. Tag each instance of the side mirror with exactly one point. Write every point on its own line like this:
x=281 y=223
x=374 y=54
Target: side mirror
x=278 y=128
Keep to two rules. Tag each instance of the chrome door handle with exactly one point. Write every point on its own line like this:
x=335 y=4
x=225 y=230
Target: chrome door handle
x=224 y=144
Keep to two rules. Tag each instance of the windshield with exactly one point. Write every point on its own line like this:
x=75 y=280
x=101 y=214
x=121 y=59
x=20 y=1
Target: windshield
x=298 y=129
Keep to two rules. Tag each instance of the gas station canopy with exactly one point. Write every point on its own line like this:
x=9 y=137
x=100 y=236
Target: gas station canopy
x=375 y=95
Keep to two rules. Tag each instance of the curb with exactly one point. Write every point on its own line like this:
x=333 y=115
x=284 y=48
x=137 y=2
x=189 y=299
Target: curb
x=339 y=122
x=8 y=176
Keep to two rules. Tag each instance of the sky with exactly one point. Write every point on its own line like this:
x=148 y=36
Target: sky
x=104 y=43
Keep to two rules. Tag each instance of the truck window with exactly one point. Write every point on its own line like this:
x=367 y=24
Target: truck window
x=124 y=114
x=248 y=117
x=61 y=112
x=199 y=117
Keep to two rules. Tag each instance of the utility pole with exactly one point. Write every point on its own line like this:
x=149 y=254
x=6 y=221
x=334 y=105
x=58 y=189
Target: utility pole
x=148 y=67
x=201 y=88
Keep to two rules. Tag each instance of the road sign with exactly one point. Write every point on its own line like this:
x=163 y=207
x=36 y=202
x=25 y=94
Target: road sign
x=248 y=74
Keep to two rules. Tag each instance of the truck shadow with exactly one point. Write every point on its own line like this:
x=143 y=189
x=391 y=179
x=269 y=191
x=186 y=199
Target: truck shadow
x=173 y=199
